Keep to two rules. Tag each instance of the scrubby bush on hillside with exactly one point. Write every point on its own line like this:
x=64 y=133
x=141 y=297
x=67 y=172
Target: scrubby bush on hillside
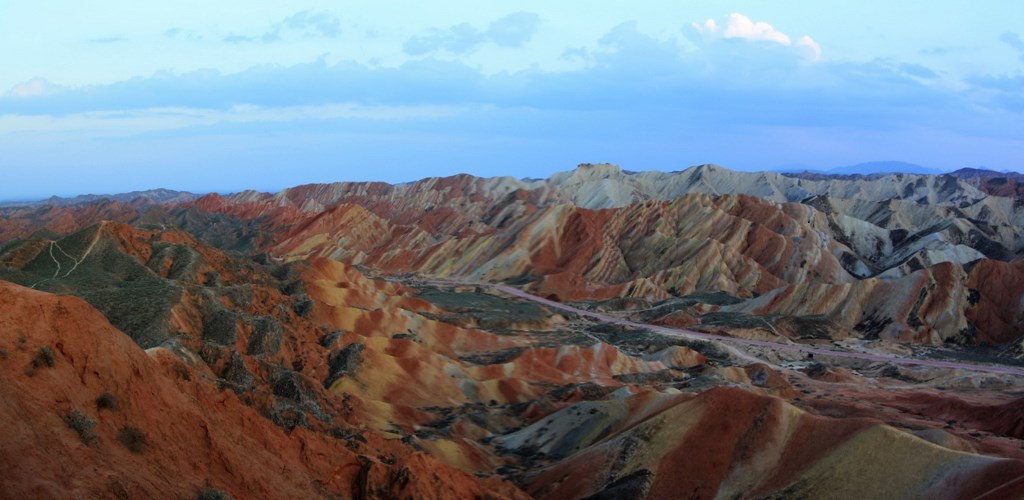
x=132 y=438
x=43 y=357
x=82 y=424
x=213 y=494
x=106 y=401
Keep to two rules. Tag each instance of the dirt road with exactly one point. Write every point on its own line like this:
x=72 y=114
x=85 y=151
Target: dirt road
x=679 y=332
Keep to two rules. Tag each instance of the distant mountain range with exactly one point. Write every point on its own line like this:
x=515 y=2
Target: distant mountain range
x=867 y=168
x=992 y=182
x=886 y=167
x=159 y=196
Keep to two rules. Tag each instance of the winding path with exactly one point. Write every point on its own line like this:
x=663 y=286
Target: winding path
x=53 y=243
x=680 y=332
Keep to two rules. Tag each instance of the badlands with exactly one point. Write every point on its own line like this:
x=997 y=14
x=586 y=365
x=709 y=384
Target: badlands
x=597 y=334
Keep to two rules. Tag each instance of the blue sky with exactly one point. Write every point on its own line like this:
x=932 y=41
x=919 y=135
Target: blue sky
x=110 y=96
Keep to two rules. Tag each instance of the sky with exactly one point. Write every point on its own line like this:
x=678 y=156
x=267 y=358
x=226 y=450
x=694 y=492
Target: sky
x=111 y=96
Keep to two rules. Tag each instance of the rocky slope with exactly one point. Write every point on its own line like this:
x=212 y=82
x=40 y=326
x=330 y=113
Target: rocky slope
x=899 y=253
x=755 y=447
x=992 y=182
x=90 y=414
x=424 y=392
x=894 y=257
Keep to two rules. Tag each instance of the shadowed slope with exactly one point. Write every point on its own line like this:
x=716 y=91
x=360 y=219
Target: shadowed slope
x=731 y=443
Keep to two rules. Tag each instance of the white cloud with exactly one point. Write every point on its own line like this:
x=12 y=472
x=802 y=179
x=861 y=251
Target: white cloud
x=36 y=87
x=738 y=26
x=810 y=44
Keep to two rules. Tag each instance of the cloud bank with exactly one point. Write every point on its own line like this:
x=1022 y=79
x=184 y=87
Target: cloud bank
x=736 y=91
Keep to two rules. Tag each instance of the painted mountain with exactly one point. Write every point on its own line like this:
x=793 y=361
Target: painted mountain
x=597 y=334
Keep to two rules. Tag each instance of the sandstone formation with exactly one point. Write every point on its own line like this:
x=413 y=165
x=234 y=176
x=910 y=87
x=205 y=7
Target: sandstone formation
x=895 y=251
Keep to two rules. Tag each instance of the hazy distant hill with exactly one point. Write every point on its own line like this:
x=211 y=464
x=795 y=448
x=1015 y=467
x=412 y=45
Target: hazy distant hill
x=868 y=169
x=160 y=196
x=884 y=167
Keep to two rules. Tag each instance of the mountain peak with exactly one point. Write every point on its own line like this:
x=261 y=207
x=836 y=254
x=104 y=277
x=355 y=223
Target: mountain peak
x=586 y=172
x=598 y=168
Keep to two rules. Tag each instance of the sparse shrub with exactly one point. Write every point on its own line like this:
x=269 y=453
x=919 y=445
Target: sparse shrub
x=106 y=401
x=213 y=494
x=816 y=370
x=118 y=490
x=82 y=424
x=22 y=342
x=43 y=357
x=132 y=438
x=3 y=353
